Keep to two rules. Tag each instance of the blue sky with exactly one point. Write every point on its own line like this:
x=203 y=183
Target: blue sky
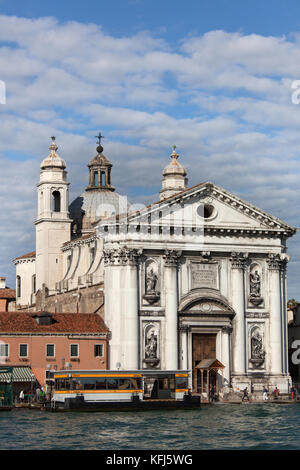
x=213 y=77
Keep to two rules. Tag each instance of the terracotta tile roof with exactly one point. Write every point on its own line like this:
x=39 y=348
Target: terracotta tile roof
x=27 y=255
x=24 y=322
x=7 y=293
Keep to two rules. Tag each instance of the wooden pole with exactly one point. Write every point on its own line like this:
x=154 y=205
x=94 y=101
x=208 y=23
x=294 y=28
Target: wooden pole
x=207 y=383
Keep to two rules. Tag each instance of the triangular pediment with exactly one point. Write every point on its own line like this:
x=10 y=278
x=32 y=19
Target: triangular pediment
x=209 y=206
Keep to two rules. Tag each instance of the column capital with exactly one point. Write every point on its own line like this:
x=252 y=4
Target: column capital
x=121 y=256
x=171 y=257
x=227 y=329
x=277 y=262
x=184 y=328
x=238 y=260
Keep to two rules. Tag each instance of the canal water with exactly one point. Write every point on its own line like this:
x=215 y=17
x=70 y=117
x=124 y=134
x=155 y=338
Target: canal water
x=245 y=426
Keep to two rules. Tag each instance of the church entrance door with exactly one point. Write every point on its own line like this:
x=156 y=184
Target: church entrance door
x=203 y=347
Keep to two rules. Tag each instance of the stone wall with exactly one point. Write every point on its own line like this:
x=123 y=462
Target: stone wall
x=84 y=300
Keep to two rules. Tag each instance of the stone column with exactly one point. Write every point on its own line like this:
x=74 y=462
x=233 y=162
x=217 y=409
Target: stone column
x=121 y=307
x=171 y=313
x=184 y=329
x=226 y=331
x=276 y=334
x=238 y=261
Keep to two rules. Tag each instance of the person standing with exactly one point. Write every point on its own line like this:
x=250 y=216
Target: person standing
x=21 y=396
x=245 y=396
x=265 y=394
x=293 y=394
x=38 y=394
x=276 y=393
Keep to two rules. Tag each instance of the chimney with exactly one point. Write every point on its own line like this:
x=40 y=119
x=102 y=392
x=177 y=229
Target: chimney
x=2 y=282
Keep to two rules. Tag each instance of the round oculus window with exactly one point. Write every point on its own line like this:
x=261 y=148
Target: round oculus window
x=205 y=211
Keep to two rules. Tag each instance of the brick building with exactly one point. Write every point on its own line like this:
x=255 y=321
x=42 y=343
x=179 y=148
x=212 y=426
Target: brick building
x=42 y=341
x=7 y=297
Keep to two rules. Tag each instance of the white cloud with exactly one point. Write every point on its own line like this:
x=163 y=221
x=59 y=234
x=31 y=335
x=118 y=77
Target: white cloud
x=223 y=98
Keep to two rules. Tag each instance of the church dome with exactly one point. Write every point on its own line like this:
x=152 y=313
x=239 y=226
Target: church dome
x=53 y=160
x=93 y=205
x=99 y=200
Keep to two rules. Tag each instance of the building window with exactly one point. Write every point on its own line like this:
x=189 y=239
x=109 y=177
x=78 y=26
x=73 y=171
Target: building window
x=23 y=350
x=50 y=350
x=56 y=201
x=4 y=350
x=96 y=178
x=98 y=350
x=33 y=284
x=74 y=350
x=18 y=286
x=102 y=178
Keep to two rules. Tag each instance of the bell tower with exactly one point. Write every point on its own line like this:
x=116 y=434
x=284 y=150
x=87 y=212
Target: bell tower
x=53 y=224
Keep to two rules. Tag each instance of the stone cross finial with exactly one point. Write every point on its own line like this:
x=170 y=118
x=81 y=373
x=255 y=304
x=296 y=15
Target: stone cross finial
x=99 y=137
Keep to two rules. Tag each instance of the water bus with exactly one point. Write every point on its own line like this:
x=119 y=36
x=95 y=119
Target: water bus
x=121 y=390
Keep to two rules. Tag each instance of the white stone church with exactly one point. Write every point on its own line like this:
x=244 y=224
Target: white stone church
x=194 y=281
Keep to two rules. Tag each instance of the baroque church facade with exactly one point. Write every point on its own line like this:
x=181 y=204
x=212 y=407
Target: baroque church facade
x=198 y=276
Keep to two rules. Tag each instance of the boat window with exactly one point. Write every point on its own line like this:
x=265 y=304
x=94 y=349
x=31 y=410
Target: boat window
x=136 y=384
x=62 y=384
x=112 y=384
x=77 y=385
x=101 y=384
x=181 y=382
x=88 y=383
x=124 y=384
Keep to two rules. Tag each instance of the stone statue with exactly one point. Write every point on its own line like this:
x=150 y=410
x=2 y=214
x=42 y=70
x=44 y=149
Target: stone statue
x=257 y=351
x=151 y=281
x=255 y=284
x=151 y=347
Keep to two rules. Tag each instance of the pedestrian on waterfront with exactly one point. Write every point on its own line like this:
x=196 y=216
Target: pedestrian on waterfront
x=212 y=393
x=38 y=394
x=245 y=392
x=21 y=396
x=293 y=393
x=276 y=393
x=28 y=396
x=42 y=395
x=265 y=394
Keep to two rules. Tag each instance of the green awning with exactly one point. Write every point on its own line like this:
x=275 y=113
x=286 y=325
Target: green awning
x=20 y=374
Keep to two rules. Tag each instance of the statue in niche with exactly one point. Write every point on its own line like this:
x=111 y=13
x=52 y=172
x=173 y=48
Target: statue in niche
x=257 y=351
x=255 y=284
x=151 y=281
x=151 y=346
x=152 y=295
x=255 y=297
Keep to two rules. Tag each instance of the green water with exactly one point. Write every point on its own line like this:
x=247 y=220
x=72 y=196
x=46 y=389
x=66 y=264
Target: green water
x=247 y=426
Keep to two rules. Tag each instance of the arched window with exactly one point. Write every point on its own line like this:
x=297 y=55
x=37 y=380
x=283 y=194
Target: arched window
x=95 y=178
x=56 y=201
x=18 y=286
x=102 y=178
